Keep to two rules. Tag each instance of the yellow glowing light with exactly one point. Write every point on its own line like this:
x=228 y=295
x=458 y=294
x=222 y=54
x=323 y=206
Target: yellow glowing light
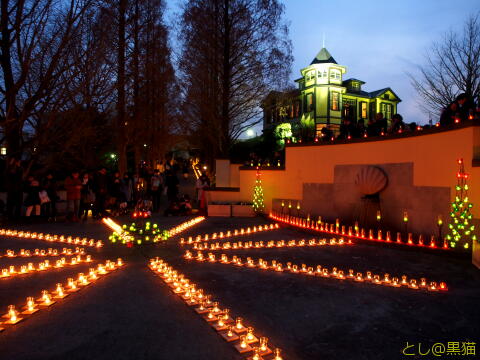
x=238 y=323
x=30 y=304
x=243 y=342
x=277 y=354
x=46 y=297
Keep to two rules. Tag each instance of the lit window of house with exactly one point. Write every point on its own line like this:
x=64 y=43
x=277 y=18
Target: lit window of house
x=387 y=110
x=3 y=150
x=363 y=109
x=309 y=102
x=334 y=74
x=335 y=101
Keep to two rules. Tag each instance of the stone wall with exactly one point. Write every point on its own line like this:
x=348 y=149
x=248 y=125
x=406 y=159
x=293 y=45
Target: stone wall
x=421 y=174
x=342 y=200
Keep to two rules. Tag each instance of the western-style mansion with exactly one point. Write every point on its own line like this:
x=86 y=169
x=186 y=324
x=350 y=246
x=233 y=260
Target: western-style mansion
x=324 y=98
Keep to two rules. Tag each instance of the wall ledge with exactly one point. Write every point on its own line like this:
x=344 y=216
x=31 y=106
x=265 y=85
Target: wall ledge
x=404 y=135
x=246 y=167
x=230 y=189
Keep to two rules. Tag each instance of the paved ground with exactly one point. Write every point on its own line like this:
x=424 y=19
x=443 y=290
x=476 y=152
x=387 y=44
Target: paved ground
x=131 y=314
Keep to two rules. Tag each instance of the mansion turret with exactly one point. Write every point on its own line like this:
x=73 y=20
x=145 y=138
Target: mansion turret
x=324 y=98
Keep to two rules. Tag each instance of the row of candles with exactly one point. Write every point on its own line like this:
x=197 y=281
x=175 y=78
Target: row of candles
x=185 y=225
x=44 y=252
x=229 y=233
x=118 y=230
x=233 y=331
x=321 y=271
x=357 y=232
x=32 y=305
x=271 y=244
x=52 y=238
x=43 y=266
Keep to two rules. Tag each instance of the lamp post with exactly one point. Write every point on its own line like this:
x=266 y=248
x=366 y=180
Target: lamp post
x=405 y=221
x=440 y=226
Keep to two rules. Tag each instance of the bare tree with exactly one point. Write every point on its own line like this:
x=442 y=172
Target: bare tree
x=452 y=67
x=74 y=134
x=36 y=39
x=153 y=82
x=144 y=78
x=233 y=52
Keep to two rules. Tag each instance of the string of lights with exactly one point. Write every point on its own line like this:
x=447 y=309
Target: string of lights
x=229 y=233
x=271 y=244
x=235 y=332
x=29 y=268
x=358 y=233
x=48 y=298
x=321 y=271
x=43 y=253
x=68 y=239
x=185 y=225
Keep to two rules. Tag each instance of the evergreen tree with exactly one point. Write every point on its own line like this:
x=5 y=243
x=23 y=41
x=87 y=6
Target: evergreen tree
x=258 y=204
x=460 y=228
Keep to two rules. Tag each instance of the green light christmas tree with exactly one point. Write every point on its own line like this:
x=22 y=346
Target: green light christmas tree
x=258 y=204
x=461 y=230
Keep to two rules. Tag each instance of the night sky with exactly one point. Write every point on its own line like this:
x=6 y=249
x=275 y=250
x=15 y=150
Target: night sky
x=378 y=41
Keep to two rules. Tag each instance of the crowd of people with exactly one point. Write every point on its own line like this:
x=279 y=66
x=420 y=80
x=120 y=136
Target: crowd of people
x=97 y=192
x=375 y=127
x=461 y=109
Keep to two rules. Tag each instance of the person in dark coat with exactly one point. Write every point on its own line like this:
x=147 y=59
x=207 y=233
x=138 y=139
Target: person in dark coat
x=347 y=130
x=32 y=201
x=127 y=188
x=327 y=134
x=156 y=189
x=372 y=128
x=171 y=182
x=101 y=192
x=381 y=123
x=50 y=186
x=448 y=114
x=87 y=200
x=116 y=189
x=397 y=124
x=360 y=128
x=466 y=107
x=461 y=109
x=73 y=186
x=14 y=187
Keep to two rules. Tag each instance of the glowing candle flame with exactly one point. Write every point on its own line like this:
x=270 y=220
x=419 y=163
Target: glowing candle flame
x=30 y=304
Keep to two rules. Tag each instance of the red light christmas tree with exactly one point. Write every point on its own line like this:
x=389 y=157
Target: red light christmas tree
x=461 y=230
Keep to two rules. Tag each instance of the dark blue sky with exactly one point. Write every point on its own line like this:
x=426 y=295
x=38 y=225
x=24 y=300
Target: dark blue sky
x=379 y=41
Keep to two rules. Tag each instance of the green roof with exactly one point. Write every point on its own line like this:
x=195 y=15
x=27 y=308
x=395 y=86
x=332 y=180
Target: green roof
x=323 y=57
